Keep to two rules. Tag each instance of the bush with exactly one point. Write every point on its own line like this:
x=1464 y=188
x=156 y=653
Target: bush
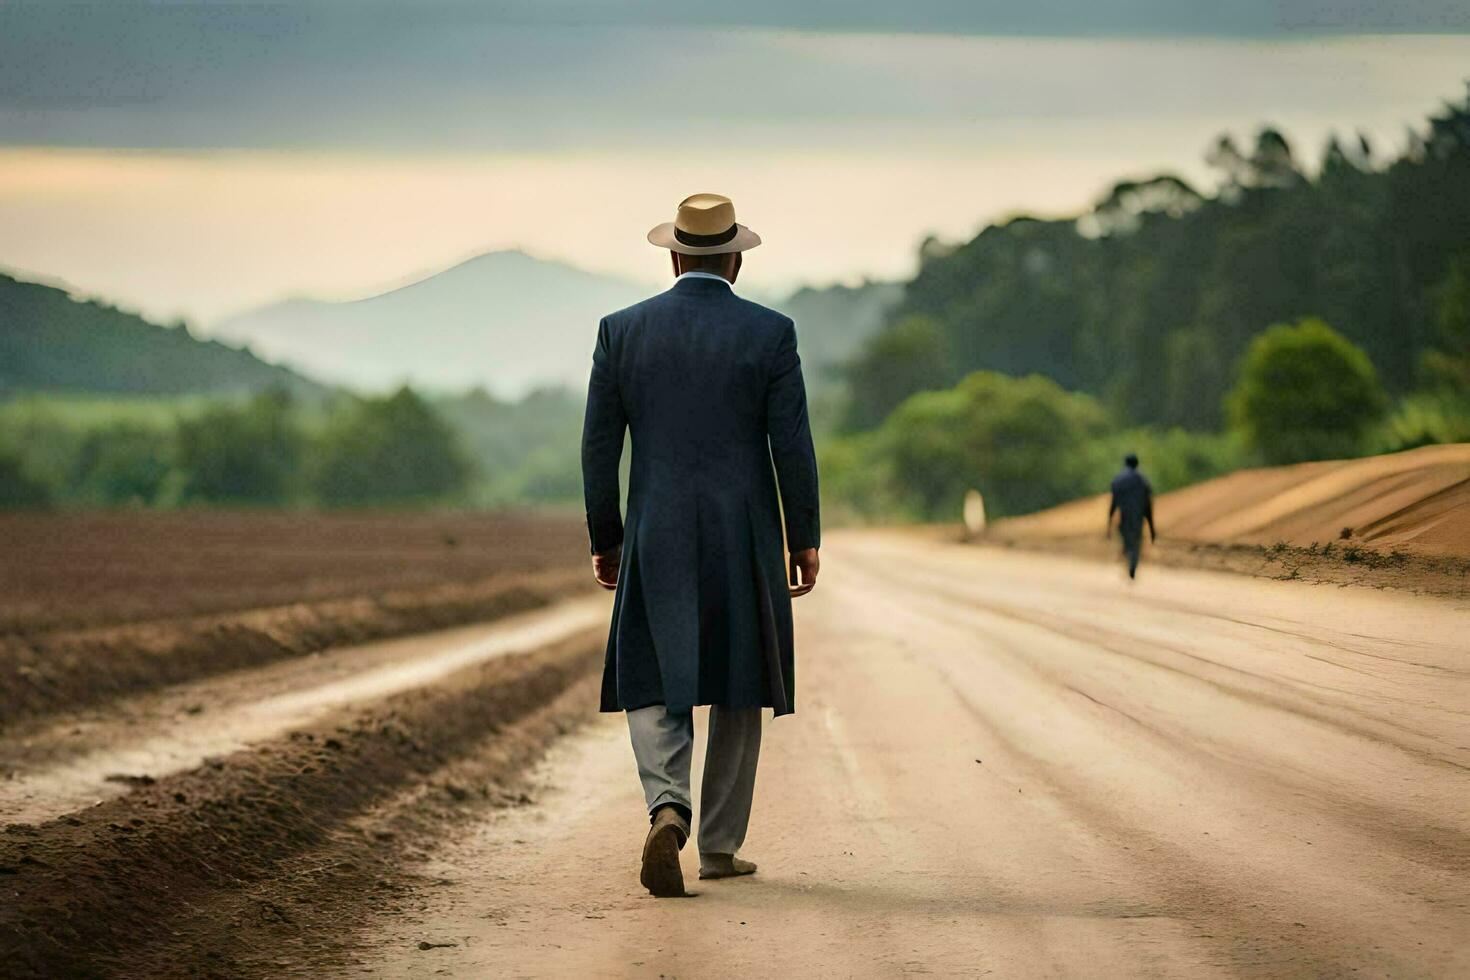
x=912 y=355
x=124 y=463
x=392 y=450
x=18 y=489
x=1446 y=365
x=522 y=452
x=248 y=454
x=857 y=483
x=1304 y=392
x=1022 y=442
x=1424 y=419
x=550 y=475
x=1172 y=458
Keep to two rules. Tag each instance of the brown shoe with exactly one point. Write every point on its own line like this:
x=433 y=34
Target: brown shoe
x=662 y=875
x=724 y=866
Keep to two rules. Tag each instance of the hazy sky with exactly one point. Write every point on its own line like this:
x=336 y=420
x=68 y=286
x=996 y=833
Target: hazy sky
x=201 y=158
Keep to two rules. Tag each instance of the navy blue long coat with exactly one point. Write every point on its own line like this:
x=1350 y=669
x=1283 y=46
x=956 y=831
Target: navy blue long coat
x=710 y=387
x=1133 y=498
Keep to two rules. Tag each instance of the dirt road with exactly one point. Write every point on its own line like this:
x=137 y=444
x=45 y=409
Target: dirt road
x=1020 y=765
x=1002 y=762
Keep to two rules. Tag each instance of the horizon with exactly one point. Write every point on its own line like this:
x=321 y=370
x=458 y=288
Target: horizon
x=203 y=160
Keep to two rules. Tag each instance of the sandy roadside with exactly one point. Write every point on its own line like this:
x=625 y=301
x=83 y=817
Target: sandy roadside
x=1400 y=521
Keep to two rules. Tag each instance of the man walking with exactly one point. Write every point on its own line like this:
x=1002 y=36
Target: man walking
x=1133 y=502
x=709 y=385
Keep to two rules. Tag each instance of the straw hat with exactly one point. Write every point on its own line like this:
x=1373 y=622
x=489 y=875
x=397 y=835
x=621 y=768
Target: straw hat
x=705 y=225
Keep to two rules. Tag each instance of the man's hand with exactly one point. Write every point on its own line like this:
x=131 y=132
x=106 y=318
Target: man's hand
x=605 y=568
x=803 y=571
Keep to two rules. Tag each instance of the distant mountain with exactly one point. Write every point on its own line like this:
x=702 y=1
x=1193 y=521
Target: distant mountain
x=504 y=320
x=512 y=323
x=50 y=341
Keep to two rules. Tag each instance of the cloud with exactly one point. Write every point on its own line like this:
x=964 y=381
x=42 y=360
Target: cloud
x=201 y=157
x=427 y=78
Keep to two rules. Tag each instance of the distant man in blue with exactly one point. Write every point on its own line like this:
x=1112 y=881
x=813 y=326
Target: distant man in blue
x=709 y=386
x=1133 y=502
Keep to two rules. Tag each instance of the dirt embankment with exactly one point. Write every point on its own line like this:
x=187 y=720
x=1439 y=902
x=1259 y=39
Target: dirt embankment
x=1399 y=521
x=93 y=607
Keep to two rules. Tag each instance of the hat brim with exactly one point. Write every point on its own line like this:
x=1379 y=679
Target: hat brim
x=663 y=236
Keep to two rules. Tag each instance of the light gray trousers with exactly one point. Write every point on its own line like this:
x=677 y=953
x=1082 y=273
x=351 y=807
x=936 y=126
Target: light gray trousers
x=663 y=744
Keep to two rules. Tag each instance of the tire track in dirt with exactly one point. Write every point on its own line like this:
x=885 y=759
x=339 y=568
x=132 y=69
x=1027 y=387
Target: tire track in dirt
x=1156 y=643
x=1249 y=903
x=1432 y=842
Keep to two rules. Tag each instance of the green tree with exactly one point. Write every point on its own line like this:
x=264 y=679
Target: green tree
x=857 y=480
x=1122 y=210
x=245 y=454
x=1020 y=441
x=1272 y=164
x=521 y=452
x=1304 y=392
x=912 y=355
x=1147 y=301
x=122 y=463
x=1172 y=458
x=18 y=489
x=1427 y=418
x=393 y=450
x=1447 y=363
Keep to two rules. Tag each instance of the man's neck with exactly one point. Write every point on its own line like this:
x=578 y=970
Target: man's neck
x=699 y=274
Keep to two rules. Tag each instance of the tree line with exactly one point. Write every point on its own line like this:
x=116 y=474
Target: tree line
x=1149 y=300
x=393 y=450
x=1285 y=317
